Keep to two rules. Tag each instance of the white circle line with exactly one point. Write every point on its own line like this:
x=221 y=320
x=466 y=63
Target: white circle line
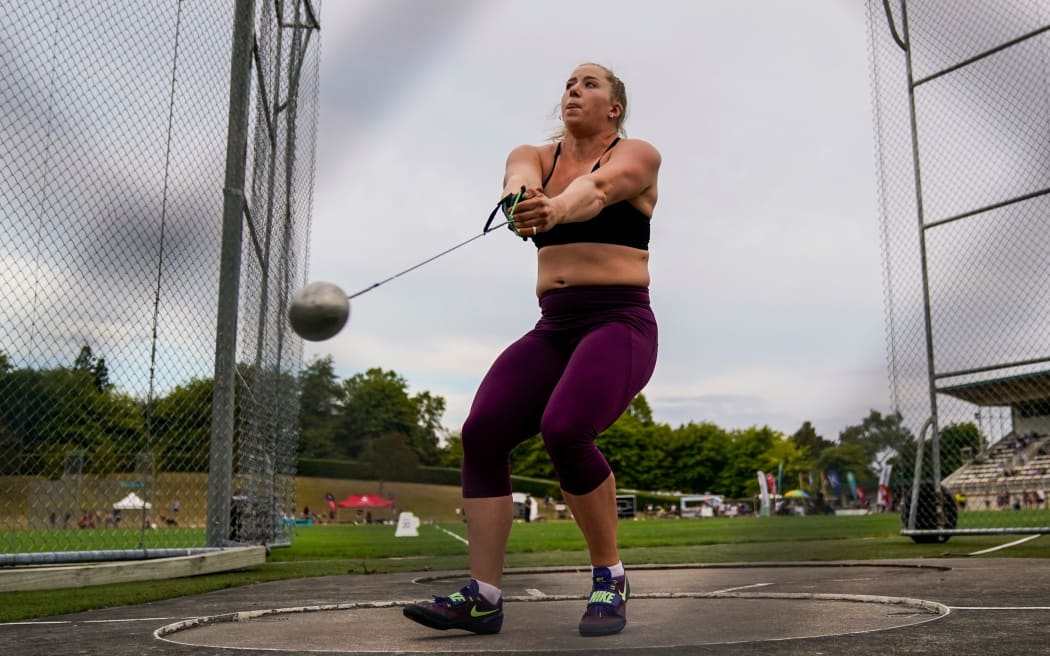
x=936 y=609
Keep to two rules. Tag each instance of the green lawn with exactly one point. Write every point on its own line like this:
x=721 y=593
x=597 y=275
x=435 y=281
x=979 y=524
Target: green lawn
x=362 y=550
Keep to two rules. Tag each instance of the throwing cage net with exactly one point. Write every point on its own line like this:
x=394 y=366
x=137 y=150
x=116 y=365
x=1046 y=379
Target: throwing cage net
x=156 y=182
x=961 y=100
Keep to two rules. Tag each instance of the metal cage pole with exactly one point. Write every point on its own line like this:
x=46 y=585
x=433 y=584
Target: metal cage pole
x=904 y=41
x=223 y=396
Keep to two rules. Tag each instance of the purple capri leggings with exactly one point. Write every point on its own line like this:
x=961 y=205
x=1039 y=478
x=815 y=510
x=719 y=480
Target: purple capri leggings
x=570 y=378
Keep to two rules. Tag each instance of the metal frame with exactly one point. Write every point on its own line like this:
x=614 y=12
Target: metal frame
x=903 y=40
x=238 y=215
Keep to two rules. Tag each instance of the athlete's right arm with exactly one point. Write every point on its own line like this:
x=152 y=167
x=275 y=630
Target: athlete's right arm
x=524 y=169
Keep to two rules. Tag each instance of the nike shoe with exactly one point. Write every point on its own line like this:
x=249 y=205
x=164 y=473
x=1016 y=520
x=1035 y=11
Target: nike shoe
x=607 y=608
x=465 y=609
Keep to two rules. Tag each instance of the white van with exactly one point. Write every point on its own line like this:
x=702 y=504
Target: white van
x=704 y=505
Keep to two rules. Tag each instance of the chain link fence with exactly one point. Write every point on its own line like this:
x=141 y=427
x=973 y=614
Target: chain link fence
x=961 y=102
x=145 y=282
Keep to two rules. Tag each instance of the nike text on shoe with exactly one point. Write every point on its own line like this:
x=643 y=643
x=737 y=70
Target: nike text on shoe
x=465 y=609
x=607 y=607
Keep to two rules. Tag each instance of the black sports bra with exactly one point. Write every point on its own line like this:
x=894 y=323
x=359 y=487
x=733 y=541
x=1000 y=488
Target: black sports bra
x=620 y=223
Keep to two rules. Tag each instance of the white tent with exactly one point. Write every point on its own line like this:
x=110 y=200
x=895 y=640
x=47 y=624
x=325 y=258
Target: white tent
x=132 y=502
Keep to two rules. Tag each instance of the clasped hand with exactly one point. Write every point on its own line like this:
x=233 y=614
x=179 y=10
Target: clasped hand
x=535 y=213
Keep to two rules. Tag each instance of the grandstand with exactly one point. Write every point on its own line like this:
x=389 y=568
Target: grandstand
x=1014 y=473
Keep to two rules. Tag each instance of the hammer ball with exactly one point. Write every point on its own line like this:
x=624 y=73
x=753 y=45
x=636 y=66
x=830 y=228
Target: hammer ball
x=318 y=311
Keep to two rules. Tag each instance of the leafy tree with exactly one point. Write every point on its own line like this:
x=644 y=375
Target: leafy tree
x=746 y=455
x=696 y=456
x=85 y=359
x=425 y=439
x=390 y=457
x=451 y=454
x=180 y=423
x=806 y=439
x=952 y=440
x=320 y=409
x=51 y=413
x=529 y=459
x=374 y=403
x=96 y=367
x=10 y=443
x=785 y=457
x=100 y=375
x=377 y=403
x=878 y=436
x=640 y=410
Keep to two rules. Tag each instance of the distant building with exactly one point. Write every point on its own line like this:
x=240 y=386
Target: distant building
x=1015 y=471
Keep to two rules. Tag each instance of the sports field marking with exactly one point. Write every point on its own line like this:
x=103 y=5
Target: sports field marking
x=458 y=537
x=742 y=587
x=52 y=622
x=131 y=619
x=999 y=607
x=1007 y=545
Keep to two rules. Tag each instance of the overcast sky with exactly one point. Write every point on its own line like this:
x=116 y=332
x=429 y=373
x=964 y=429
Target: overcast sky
x=766 y=270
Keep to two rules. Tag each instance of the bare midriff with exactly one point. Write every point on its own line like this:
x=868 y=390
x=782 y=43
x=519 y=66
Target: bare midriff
x=576 y=265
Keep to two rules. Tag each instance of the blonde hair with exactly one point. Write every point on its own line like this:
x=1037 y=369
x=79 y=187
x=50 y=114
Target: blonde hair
x=619 y=95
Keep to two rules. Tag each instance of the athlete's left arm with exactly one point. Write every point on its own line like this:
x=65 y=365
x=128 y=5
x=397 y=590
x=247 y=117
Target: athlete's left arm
x=630 y=171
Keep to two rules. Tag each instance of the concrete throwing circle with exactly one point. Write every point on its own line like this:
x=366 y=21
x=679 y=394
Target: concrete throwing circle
x=547 y=624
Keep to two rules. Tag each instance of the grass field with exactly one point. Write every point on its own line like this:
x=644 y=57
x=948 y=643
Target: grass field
x=339 y=549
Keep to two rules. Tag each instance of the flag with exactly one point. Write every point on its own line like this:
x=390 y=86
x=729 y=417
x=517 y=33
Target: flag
x=852 y=480
x=780 y=475
x=763 y=493
x=833 y=481
x=771 y=484
x=883 y=499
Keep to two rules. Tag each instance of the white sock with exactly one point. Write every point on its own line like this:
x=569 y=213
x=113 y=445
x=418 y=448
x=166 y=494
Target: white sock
x=490 y=592
x=615 y=570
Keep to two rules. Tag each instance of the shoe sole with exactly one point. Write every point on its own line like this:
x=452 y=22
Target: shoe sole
x=441 y=624
x=590 y=630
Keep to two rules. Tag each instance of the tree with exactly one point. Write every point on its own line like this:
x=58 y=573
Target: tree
x=319 y=409
x=878 y=436
x=390 y=458
x=10 y=441
x=785 y=457
x=529 y=459
x=54 y=412
x=84 y=359
x=377 y=403
x=640 y=410
x=746 y=455
x=695 y=456
x=451 y=454
x=180 y=423
x=96 y=367
x=806 y=439
x=425 y=439
x=952 y=439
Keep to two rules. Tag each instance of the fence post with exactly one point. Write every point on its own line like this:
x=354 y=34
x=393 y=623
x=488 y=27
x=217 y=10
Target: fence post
x=223 y=406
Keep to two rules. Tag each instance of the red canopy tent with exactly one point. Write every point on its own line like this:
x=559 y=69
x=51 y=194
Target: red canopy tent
x=364 y=501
